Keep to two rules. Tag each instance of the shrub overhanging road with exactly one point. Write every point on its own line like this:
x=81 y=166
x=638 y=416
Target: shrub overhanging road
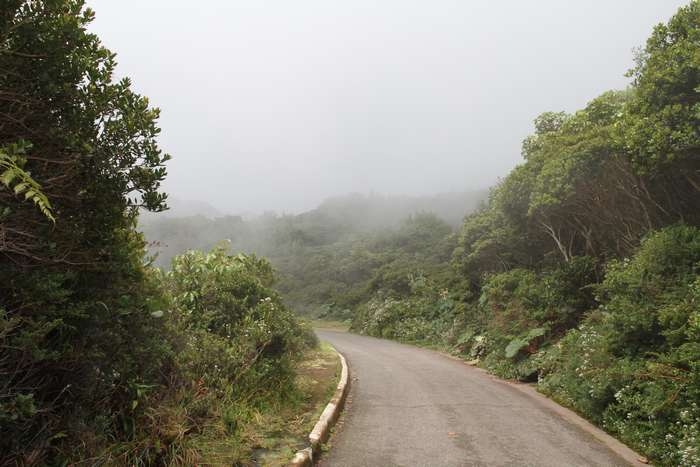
x=414 y=407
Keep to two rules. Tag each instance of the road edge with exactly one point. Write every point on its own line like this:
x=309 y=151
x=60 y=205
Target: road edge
x=623 y=451
x=319 y=434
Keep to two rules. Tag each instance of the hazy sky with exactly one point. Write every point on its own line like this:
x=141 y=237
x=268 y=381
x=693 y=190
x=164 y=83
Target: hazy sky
x=279 y=104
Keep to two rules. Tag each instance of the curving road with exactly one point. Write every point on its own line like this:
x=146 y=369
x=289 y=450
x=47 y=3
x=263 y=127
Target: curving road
x=415 y=407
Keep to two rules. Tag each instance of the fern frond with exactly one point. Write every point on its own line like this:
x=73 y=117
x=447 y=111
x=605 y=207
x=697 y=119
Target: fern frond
x=19 y=181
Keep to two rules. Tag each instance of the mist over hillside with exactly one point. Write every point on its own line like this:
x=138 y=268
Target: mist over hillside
x=336 y=248
x=382 y=211
x=192 y=225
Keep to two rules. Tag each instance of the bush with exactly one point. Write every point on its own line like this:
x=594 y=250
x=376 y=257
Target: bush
x=78 y=341
x=520 y=299
x=528 y=310
x=634 y=365
x=239 y=335
x=70 y=370
x=651 y=297
x=426 y=315
x=234 y=349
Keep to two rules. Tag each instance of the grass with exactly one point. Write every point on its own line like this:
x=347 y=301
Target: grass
x=273 y=436
x=236 y=430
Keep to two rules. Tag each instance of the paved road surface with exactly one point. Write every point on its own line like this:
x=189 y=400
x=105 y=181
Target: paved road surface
x=414 y=407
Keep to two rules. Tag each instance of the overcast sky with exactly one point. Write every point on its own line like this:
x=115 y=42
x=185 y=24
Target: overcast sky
x=279 y=104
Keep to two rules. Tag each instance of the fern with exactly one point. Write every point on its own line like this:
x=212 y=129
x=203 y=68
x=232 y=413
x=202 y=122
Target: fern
x=19 y=181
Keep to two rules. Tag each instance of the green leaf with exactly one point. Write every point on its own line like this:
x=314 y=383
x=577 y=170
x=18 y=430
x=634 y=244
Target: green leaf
x=519 y=343
x=8 y=176
x=20 y=187
x=535 y=333
x=26 y=185
x=515 y=346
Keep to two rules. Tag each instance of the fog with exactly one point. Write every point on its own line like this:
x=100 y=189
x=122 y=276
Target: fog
x=276 y=105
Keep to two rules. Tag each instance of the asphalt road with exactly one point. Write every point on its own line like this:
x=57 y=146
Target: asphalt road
x=415 y=407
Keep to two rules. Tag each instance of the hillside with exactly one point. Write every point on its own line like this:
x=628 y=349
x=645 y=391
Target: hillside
x=335 y=247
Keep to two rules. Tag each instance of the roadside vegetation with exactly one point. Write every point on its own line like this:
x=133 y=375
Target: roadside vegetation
x=274 y=437
x=104 y=359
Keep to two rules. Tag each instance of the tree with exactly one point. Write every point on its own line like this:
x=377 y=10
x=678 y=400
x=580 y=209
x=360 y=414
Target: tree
x=93 y=141
x=663 y=127
x=76 y=332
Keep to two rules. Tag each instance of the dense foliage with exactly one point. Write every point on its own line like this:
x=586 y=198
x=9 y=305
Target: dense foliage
x=235 y=346
x=634 y=364
x=97 y=350
x=237 y=332
x=71 y=347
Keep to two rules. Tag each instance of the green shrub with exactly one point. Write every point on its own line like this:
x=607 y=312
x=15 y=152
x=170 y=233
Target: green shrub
x=237 y=333
x=634 y=365
x=527 y=310
x=234 y=349
x=520 y=300
x=651 y=297
x=71 y=369
x=425 y=315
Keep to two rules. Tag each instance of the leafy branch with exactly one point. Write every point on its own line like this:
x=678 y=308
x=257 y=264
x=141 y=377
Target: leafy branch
x=19 y=181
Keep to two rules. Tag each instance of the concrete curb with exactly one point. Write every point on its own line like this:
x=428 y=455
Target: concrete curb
x=322 y=429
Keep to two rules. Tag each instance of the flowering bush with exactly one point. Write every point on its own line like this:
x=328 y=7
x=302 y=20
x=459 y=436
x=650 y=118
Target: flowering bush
x=634 y=365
